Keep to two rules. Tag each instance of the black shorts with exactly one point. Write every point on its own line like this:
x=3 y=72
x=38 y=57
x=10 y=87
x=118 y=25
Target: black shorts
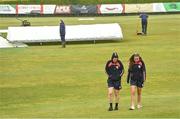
x=138 y=83
x=115 y=84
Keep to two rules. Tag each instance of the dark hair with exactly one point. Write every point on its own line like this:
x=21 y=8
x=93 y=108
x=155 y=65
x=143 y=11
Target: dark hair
x=131 y=59
x=62 y=21
x=114 y=55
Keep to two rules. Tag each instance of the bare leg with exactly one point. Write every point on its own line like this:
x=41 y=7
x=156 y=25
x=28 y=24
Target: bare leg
x=116 y=93
x=132 y=96
x=110 y=94
x=139 y=90
x=110 y=97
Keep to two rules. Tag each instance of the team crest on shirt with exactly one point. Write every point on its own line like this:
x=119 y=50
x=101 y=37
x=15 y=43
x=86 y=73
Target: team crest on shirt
x=117 y=67
x=139 y=66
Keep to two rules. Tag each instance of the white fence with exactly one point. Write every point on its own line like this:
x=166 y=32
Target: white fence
x=73 y=33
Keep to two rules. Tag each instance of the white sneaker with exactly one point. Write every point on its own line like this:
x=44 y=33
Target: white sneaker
x=132 y=108
x=139 y=106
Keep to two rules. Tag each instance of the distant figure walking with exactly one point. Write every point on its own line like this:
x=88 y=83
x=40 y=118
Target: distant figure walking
x=144 y=22
x=62 y=31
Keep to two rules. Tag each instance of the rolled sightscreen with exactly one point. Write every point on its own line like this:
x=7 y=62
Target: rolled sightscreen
x=73 y=33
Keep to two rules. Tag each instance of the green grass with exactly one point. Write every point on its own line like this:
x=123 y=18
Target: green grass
x=48 y=81
x=80 y=1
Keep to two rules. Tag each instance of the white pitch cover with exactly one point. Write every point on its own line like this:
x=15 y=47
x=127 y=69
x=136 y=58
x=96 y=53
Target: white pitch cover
x=4 y=43
x=73 y=33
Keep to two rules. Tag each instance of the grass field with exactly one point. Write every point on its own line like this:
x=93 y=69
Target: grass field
x=48 y=81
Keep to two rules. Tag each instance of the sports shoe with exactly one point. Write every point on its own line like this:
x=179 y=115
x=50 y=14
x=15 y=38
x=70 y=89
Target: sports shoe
x=116 y=108
x=139 y=106
x=132 y=108
x=110 y=109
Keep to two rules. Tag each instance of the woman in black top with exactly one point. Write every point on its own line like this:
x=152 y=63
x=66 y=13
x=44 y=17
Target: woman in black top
x=136 y=77
x=114 y=69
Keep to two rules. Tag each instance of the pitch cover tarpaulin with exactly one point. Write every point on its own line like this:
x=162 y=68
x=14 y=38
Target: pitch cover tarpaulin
x=4 y=43
x=73 y=33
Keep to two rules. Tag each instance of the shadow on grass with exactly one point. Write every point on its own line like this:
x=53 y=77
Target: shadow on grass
x=75 y=42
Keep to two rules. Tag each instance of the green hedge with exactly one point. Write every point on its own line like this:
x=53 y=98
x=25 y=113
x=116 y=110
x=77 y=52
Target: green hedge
x=79 y=1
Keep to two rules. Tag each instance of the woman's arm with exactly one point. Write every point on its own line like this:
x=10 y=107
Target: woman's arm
x=107 y=69
x=122 y=68
x=144 y=70
x=128 y=76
